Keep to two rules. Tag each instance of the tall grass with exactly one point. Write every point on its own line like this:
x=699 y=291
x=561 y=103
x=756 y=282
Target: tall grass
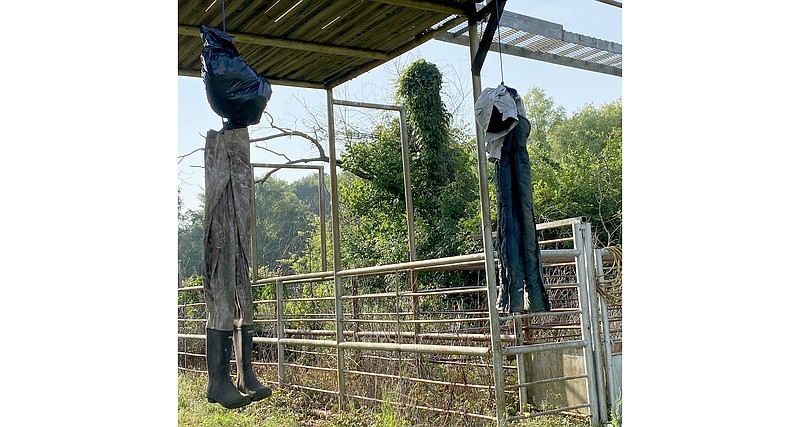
x=289 y=408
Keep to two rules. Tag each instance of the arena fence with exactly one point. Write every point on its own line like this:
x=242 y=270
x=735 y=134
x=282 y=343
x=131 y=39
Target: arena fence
x=390 y=333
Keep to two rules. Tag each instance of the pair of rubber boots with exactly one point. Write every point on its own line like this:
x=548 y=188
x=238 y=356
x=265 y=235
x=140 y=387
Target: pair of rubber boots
x=218 y=356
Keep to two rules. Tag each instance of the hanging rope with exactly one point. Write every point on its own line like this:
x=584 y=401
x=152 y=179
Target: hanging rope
x=223 y=16
x=611 y=289
x=499 y=48
x=224 y=31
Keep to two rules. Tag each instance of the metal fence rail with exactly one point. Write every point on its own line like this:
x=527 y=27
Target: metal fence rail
x=311 y=340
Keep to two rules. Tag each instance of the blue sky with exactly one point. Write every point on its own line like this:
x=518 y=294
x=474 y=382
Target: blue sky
x=570 y=87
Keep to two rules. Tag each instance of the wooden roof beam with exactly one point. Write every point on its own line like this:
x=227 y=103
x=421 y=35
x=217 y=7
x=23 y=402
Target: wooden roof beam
x=189 y=30
x=188 y=72
x=451 y=9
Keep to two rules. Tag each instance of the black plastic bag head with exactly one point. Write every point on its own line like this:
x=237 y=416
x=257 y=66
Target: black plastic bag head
x=234 y=90
x=217 y=39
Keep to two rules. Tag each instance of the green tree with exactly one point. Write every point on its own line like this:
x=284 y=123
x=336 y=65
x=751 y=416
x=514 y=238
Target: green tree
x=283 y=223
x=543 y=114
x=307 y=190
x=576 y=164
x=443 y=180
x=190 y=240
x=444 y=185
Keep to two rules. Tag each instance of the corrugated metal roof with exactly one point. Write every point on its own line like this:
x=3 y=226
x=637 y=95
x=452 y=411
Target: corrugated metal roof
x=541 y=40
x=318 y=44
x=315 y=43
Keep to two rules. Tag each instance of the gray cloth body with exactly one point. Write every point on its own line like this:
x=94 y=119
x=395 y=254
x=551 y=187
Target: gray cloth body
x=521 y=279
x=509 y=105
x=226 y=242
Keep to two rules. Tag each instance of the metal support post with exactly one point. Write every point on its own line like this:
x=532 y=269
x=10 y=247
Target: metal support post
x=611 y=385
x=412 y=244
x=254 y=235
x=588 y=250
x=586 y=328
x=488 y=249
x=337 y=262
x=322 y=231
x=280 y=332
x=522 y=376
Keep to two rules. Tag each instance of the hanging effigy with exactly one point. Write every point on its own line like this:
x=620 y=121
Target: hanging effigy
x=500 y=114
x=238 y=94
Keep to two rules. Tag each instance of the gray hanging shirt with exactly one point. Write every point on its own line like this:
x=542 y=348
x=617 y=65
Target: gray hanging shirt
x=509 y=106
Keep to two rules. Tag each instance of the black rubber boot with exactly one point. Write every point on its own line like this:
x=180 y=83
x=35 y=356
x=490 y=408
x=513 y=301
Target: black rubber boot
x=218 y=357
x=246 y=380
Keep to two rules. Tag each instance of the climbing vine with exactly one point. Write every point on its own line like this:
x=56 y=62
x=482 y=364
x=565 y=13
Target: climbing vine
x=443 y=180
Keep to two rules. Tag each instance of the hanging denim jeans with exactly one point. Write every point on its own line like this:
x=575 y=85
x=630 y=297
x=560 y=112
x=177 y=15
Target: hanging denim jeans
x=521 y=282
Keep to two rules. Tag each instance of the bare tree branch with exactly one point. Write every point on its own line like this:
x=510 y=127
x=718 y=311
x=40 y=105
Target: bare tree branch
x=281 y=135
x=180 y=158
x=274 y=152
x=289 y=132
